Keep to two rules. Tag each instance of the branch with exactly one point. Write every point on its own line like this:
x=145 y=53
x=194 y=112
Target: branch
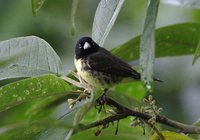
x=125 y=112
x=105 y=121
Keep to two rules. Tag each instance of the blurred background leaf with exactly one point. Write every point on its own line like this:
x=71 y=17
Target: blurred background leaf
x=175 y=40
x=184 y=3
x=134 y=90
x=27 y=130
x=124 y=100
x=36 y=5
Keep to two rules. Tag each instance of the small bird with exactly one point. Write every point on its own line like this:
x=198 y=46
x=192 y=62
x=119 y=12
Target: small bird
x=98 y=67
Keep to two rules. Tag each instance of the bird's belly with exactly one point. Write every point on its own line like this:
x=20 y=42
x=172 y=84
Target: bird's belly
x=94 y=78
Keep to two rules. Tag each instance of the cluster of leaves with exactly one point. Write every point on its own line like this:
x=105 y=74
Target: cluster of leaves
x=30 y=73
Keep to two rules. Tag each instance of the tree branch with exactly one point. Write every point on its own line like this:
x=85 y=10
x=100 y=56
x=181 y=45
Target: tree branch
x=125 y=112
x=105 y=121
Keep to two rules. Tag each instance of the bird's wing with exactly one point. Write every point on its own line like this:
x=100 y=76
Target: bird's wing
x=105 y=62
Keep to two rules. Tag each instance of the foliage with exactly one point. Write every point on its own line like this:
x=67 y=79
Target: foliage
x=35 y=87
x=36 y=5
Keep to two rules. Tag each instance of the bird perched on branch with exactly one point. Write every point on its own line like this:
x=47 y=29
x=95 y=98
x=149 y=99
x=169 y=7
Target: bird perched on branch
x=98 y=67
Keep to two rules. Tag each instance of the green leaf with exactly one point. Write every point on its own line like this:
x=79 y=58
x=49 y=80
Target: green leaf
x=170 y=136
x=134 y=90
x=124 y=100
x=32 y=88
x=36 y=5
x=27 y=130
x=37 y=58
x=183 y=3
x=105 y=16
x=147 y=44
x=197 y=54
x=175 y=40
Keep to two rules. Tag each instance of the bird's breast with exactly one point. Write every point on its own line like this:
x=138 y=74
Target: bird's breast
x=92 y=77
x=86 y=74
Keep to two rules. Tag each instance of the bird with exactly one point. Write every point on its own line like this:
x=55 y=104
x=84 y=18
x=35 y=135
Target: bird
x=100 y=68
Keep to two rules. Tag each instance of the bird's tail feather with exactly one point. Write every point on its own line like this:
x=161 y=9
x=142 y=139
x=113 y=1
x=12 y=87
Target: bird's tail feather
x=137 y=76
x=158 y=80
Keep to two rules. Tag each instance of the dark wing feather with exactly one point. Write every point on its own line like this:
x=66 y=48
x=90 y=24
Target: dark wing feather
x=105 y=62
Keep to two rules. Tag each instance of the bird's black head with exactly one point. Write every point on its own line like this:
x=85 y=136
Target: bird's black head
x=85 y=46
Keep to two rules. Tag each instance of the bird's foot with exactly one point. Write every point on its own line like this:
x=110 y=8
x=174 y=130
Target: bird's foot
x=101 y=100
x=88 y=91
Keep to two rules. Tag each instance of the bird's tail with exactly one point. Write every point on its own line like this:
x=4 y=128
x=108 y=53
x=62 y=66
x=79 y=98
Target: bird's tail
x=158 y=80
x=137 y=76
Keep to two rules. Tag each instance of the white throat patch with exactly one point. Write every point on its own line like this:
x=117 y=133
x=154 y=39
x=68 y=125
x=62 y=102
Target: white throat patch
x=86 y=46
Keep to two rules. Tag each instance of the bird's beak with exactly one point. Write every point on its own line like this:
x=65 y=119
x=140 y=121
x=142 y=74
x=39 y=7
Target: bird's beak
x=86 y=46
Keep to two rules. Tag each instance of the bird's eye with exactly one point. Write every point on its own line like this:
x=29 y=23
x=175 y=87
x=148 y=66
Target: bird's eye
x=80 y=46
x=93 y=43
x=86 y=46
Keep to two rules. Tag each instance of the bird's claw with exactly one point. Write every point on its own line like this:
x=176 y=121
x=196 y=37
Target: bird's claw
x=87 y=91
x=100 y=102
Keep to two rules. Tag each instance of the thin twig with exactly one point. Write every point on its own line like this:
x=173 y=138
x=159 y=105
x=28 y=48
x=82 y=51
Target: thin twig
x=105 y=121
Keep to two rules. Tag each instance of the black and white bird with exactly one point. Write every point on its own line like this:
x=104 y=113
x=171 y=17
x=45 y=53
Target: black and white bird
x=98 y=67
